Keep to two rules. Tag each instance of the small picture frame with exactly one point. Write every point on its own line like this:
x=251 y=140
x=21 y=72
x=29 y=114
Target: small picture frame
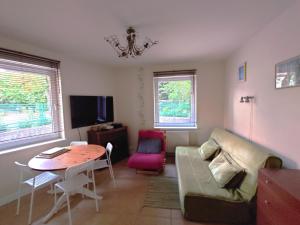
x=242 y=72
x=287 y=73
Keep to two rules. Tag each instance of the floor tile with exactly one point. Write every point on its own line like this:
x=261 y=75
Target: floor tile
x=150 y=220
x=156 y=212
x=176 y=213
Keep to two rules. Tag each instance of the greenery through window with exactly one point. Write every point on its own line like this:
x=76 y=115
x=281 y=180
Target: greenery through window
x=23 y=100
x=30 y=101
x=174 y=102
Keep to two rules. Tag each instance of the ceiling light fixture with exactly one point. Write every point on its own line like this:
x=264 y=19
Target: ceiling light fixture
x=132 y=49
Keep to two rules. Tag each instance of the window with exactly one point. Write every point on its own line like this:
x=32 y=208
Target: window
x=175 y=99
x=30 y=100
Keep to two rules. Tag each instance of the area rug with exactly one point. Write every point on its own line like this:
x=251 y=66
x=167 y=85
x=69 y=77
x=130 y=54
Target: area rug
x=162 y=192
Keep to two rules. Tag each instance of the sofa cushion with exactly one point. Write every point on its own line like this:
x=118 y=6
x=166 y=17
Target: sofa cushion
x=208 y=149
x=236 y=181
x=224 y=169
x=149 y=145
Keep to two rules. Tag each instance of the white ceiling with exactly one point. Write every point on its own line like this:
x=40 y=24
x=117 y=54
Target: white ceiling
x=187 y=30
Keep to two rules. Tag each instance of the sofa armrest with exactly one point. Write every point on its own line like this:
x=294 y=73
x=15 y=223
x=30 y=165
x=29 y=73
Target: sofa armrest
x=273 y=162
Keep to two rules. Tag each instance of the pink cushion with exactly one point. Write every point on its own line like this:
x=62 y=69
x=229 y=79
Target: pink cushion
x=146 y=161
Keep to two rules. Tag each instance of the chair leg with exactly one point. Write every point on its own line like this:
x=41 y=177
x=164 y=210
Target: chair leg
x=69 y=209
x=31 y=205
x=94 y=187
x=19 y=199
x=112 y=174
x=87 y=185
x=55 y=195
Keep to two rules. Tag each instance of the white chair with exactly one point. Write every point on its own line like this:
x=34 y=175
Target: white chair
x=35 y=182
x=75 y=182
x=73 y=143
x=103 y=163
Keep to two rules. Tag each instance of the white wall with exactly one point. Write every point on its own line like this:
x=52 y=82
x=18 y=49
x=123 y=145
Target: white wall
x=134 y=91
x=78 y=78
x=276 y=123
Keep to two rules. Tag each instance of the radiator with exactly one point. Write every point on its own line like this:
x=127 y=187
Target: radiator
x=176 y=138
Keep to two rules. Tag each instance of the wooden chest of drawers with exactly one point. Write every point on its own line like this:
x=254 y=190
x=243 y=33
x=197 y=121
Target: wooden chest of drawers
x=118 y=138
x=278 y=197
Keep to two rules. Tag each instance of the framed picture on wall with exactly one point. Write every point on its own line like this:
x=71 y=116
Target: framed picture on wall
x=242 y=72
x=287 y=73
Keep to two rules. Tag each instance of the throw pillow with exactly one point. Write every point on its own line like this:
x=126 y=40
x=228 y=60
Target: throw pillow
x=224 y=169
x=149 y=146
x=208 y=149
x=236 y=181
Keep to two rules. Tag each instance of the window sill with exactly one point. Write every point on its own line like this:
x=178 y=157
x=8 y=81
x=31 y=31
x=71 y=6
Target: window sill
x=12 y=150
x=175 y=128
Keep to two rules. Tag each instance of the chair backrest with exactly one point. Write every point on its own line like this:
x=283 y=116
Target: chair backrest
x=79 y=168
x=78 y=143
x=23 y=168
x=159 y=134
x=109 y=148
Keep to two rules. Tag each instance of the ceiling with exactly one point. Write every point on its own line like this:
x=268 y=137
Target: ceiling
x=187 y=30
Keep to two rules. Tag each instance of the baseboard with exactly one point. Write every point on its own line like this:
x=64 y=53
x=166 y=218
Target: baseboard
x=148 y=172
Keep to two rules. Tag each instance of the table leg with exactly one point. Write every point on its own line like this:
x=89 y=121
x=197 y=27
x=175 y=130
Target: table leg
x=63 y=199
x=56 y=207
x=91 y=194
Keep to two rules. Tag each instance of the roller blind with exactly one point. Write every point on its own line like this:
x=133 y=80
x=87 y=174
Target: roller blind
x=175 y=99
x=30 y=99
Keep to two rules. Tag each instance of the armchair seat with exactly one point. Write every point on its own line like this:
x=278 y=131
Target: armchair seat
x=143 y=161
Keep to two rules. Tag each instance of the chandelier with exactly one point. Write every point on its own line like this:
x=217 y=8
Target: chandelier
x=132 y=49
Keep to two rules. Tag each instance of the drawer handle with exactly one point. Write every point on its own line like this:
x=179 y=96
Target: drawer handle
x=267 y=181
x=267 y=202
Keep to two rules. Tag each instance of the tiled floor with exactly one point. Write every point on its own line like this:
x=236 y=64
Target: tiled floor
x=121 y=205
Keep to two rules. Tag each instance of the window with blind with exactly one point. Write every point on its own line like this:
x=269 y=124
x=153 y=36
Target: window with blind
x=30 y=100
x=175 y=99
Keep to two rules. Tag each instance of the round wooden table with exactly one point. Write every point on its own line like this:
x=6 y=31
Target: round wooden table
x=78 y=154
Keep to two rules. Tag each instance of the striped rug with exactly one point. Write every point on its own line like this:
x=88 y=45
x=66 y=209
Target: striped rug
x=162 y=192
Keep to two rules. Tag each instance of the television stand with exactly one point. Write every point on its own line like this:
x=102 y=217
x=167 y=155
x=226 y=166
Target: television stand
x=117 y=136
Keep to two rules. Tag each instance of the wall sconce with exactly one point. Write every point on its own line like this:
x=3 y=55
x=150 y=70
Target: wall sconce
x=246 y=99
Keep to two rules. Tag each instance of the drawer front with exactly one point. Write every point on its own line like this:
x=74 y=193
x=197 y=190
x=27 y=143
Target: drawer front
x=120 y=150
x=271 y=204
x=262 y=217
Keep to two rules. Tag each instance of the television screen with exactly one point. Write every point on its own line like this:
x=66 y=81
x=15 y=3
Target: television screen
x=91 y=110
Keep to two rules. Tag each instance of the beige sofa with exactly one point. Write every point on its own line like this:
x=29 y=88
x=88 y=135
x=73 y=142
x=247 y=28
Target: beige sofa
x=200 y=197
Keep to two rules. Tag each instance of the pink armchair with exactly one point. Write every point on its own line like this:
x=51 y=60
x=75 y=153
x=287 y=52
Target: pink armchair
x=150 y=161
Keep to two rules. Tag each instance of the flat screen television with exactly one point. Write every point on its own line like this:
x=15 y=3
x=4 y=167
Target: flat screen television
x=91 y=110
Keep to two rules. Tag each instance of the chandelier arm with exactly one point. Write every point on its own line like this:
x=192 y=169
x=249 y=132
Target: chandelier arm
x=124 y=52
x=117 y=50
x=138 y=50
x=121 y=48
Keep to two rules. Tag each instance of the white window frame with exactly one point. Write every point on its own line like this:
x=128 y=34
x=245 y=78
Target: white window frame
x=193 y=123
x=55 y=95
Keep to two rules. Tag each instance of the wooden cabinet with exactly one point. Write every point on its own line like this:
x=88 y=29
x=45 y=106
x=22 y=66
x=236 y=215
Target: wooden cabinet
x=278 y=197
x=118 y=138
